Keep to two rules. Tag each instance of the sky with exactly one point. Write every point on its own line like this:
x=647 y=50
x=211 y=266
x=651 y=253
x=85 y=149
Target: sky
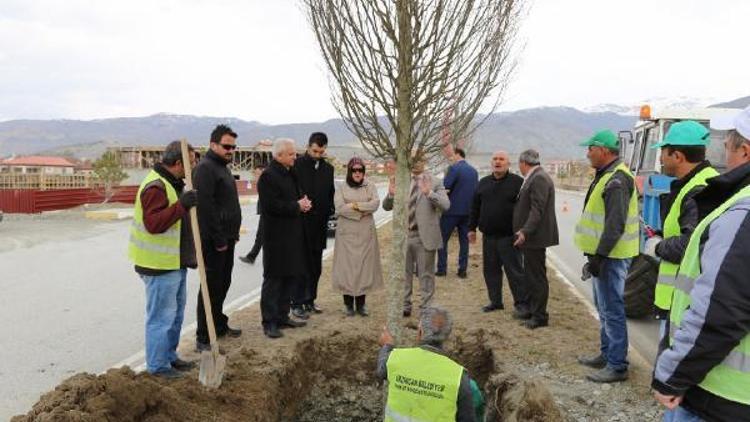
x=258 y=59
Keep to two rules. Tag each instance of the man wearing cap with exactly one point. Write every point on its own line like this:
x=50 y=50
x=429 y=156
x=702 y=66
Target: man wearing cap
x=683 y=155
x=704 y=374
x=607 y=233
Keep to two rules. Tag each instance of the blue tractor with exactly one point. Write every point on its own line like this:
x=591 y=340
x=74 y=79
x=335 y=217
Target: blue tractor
x=644 y=162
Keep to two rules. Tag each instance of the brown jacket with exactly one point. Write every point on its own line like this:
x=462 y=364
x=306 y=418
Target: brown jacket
x=534 y=213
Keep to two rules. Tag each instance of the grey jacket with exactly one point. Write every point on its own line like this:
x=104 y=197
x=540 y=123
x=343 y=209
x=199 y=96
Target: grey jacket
x=429 y=209
x=465 y=403
x=534 y=212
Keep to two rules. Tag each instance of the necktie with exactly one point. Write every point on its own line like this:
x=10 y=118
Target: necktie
x=413 y=203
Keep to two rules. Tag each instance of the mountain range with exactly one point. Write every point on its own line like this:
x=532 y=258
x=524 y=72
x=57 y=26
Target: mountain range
x=555 y=131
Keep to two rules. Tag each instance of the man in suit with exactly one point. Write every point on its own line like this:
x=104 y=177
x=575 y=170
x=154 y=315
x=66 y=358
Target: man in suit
x=427 y=200
x=535 y=227
x=285 y=253
x=460 y=182
x=315 y=178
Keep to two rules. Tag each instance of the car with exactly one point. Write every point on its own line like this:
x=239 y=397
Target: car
x=332 y=223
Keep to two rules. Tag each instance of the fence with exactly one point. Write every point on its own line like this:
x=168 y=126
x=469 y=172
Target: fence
x=32 y=201
x=43 y=181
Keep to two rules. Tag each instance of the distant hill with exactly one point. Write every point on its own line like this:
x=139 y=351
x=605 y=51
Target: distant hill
x=553 y=130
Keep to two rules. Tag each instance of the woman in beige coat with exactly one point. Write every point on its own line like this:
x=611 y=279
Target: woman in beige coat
x=356 y=255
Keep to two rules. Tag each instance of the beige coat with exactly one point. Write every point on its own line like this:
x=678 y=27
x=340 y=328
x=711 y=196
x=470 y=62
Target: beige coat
x=356 y=255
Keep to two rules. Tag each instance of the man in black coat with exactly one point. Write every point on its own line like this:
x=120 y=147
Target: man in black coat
x=285 y=253
x=315 y=177
x=219 y=216
x=535 y=225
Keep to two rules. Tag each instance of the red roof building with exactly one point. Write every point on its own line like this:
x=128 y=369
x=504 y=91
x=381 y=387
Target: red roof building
x=37 y=164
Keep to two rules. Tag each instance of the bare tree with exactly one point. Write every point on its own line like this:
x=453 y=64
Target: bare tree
x=401 y=70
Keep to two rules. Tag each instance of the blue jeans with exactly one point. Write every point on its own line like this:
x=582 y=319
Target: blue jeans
x=447 y=224
x=608 y=299
x=165 y=311
x=680 y=414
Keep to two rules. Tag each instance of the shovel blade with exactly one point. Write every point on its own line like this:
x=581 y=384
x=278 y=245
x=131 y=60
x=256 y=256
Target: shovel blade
x=212 y=369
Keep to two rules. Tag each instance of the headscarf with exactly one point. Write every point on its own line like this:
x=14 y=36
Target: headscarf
x=349 y=179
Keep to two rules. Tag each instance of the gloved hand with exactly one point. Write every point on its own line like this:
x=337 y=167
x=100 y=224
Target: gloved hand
x=585 y=273
x=595 y=264
x=189 y=199
x=650 y=247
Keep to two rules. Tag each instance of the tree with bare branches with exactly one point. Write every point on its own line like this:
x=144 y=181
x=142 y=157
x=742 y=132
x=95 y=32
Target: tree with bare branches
x=402 y=71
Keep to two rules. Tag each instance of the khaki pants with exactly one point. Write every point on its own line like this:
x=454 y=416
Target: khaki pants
x=424 y=260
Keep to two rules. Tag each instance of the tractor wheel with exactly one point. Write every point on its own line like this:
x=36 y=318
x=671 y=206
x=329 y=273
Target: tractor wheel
x=639 y=287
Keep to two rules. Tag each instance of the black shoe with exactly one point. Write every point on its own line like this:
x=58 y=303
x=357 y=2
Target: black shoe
x=462 y=274
x=233 y=332
x=349 y=311
x=407 y=313
x=169 y=374
x=533 y=324
x=596 y=362
x=290 y=323
x=300 y=313
x=439 y=273
x=363 y=311
x=607 y=375
x=202 y=347
x=248 y=260
x=492 y=307
x=182 y=365
x=272 y=331
x=312 y=309
x=521 y=315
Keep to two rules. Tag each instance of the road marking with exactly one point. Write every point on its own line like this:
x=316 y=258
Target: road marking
x=137 y=361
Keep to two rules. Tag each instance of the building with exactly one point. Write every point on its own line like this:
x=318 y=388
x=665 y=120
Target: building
x=37 y=164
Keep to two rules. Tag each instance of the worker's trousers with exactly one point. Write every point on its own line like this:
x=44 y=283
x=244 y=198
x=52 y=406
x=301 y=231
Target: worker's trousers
x=165 y=311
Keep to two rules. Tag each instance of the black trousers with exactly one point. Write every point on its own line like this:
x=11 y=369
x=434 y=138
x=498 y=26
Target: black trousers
x=274 y=299
x=498 y=254
x=258 y=241
x=535 y=262
x=219 y=267
x=305 y=290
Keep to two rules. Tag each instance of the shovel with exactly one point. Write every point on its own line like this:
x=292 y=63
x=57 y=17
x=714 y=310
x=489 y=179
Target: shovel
x=212 y=363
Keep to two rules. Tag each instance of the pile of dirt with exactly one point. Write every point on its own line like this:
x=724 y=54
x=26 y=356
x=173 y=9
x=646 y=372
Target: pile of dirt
x=325 y=371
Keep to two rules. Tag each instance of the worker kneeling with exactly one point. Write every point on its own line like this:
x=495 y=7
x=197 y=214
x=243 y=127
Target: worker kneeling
x=423 y=383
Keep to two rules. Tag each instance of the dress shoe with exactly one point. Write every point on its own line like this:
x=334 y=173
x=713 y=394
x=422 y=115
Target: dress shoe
x=272 y=331
x=492 y=307
x=596 y=362
x=349 y=311
x=462 y=274
x=521 y=315
x=182 y=365
x=290 y=323
x=170 y=374
x=233 y=332
x=607 y=375
x=407 y=313
x=439 y=273
x=300 y=313
x=313 y=309
x=362 y=311
x=533 y=324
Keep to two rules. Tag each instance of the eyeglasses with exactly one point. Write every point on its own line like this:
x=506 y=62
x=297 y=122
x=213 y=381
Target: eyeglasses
x=358 y=170
x=228 y=147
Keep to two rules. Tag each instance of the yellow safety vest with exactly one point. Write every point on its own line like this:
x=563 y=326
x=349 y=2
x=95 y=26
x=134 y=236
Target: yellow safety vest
x=590 y=227
x=668 y=270
x=731 y=378
x=156 y=251
x=422 y=386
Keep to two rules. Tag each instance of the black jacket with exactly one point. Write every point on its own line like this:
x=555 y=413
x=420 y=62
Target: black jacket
x=492 y=207
x=219 y=213
x=616 y=196
x=317 y=184
x=285 y=251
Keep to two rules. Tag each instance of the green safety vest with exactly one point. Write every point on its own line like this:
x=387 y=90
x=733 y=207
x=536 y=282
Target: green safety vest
x=668 y=270
x=422 y=386
x=591 y=225
x=156 y=251
x=731 y=378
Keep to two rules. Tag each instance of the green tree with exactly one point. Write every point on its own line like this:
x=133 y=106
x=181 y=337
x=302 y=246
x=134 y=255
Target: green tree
x=109 y=173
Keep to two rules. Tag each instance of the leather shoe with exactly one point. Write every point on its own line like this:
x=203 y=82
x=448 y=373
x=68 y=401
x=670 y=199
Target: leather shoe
x=169 y=374
x=439 y=273
x=596 y=362
x=313 y=309
x=533 y=324
x=350 y=312
x=363 y=311
x=521 y=315
x=182 y=365
x=232 y=332
x=290 y=323
x=407 y=313
x=607 y=375
x=300 y=313
x=462 y=274
x=272 y=331
x=492 y=307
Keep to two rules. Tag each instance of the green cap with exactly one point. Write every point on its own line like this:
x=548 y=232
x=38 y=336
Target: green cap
x=604 y=138
x=686 y=133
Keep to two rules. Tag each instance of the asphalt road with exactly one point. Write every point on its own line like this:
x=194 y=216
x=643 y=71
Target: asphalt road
x=71 y=301
x=642 y=334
